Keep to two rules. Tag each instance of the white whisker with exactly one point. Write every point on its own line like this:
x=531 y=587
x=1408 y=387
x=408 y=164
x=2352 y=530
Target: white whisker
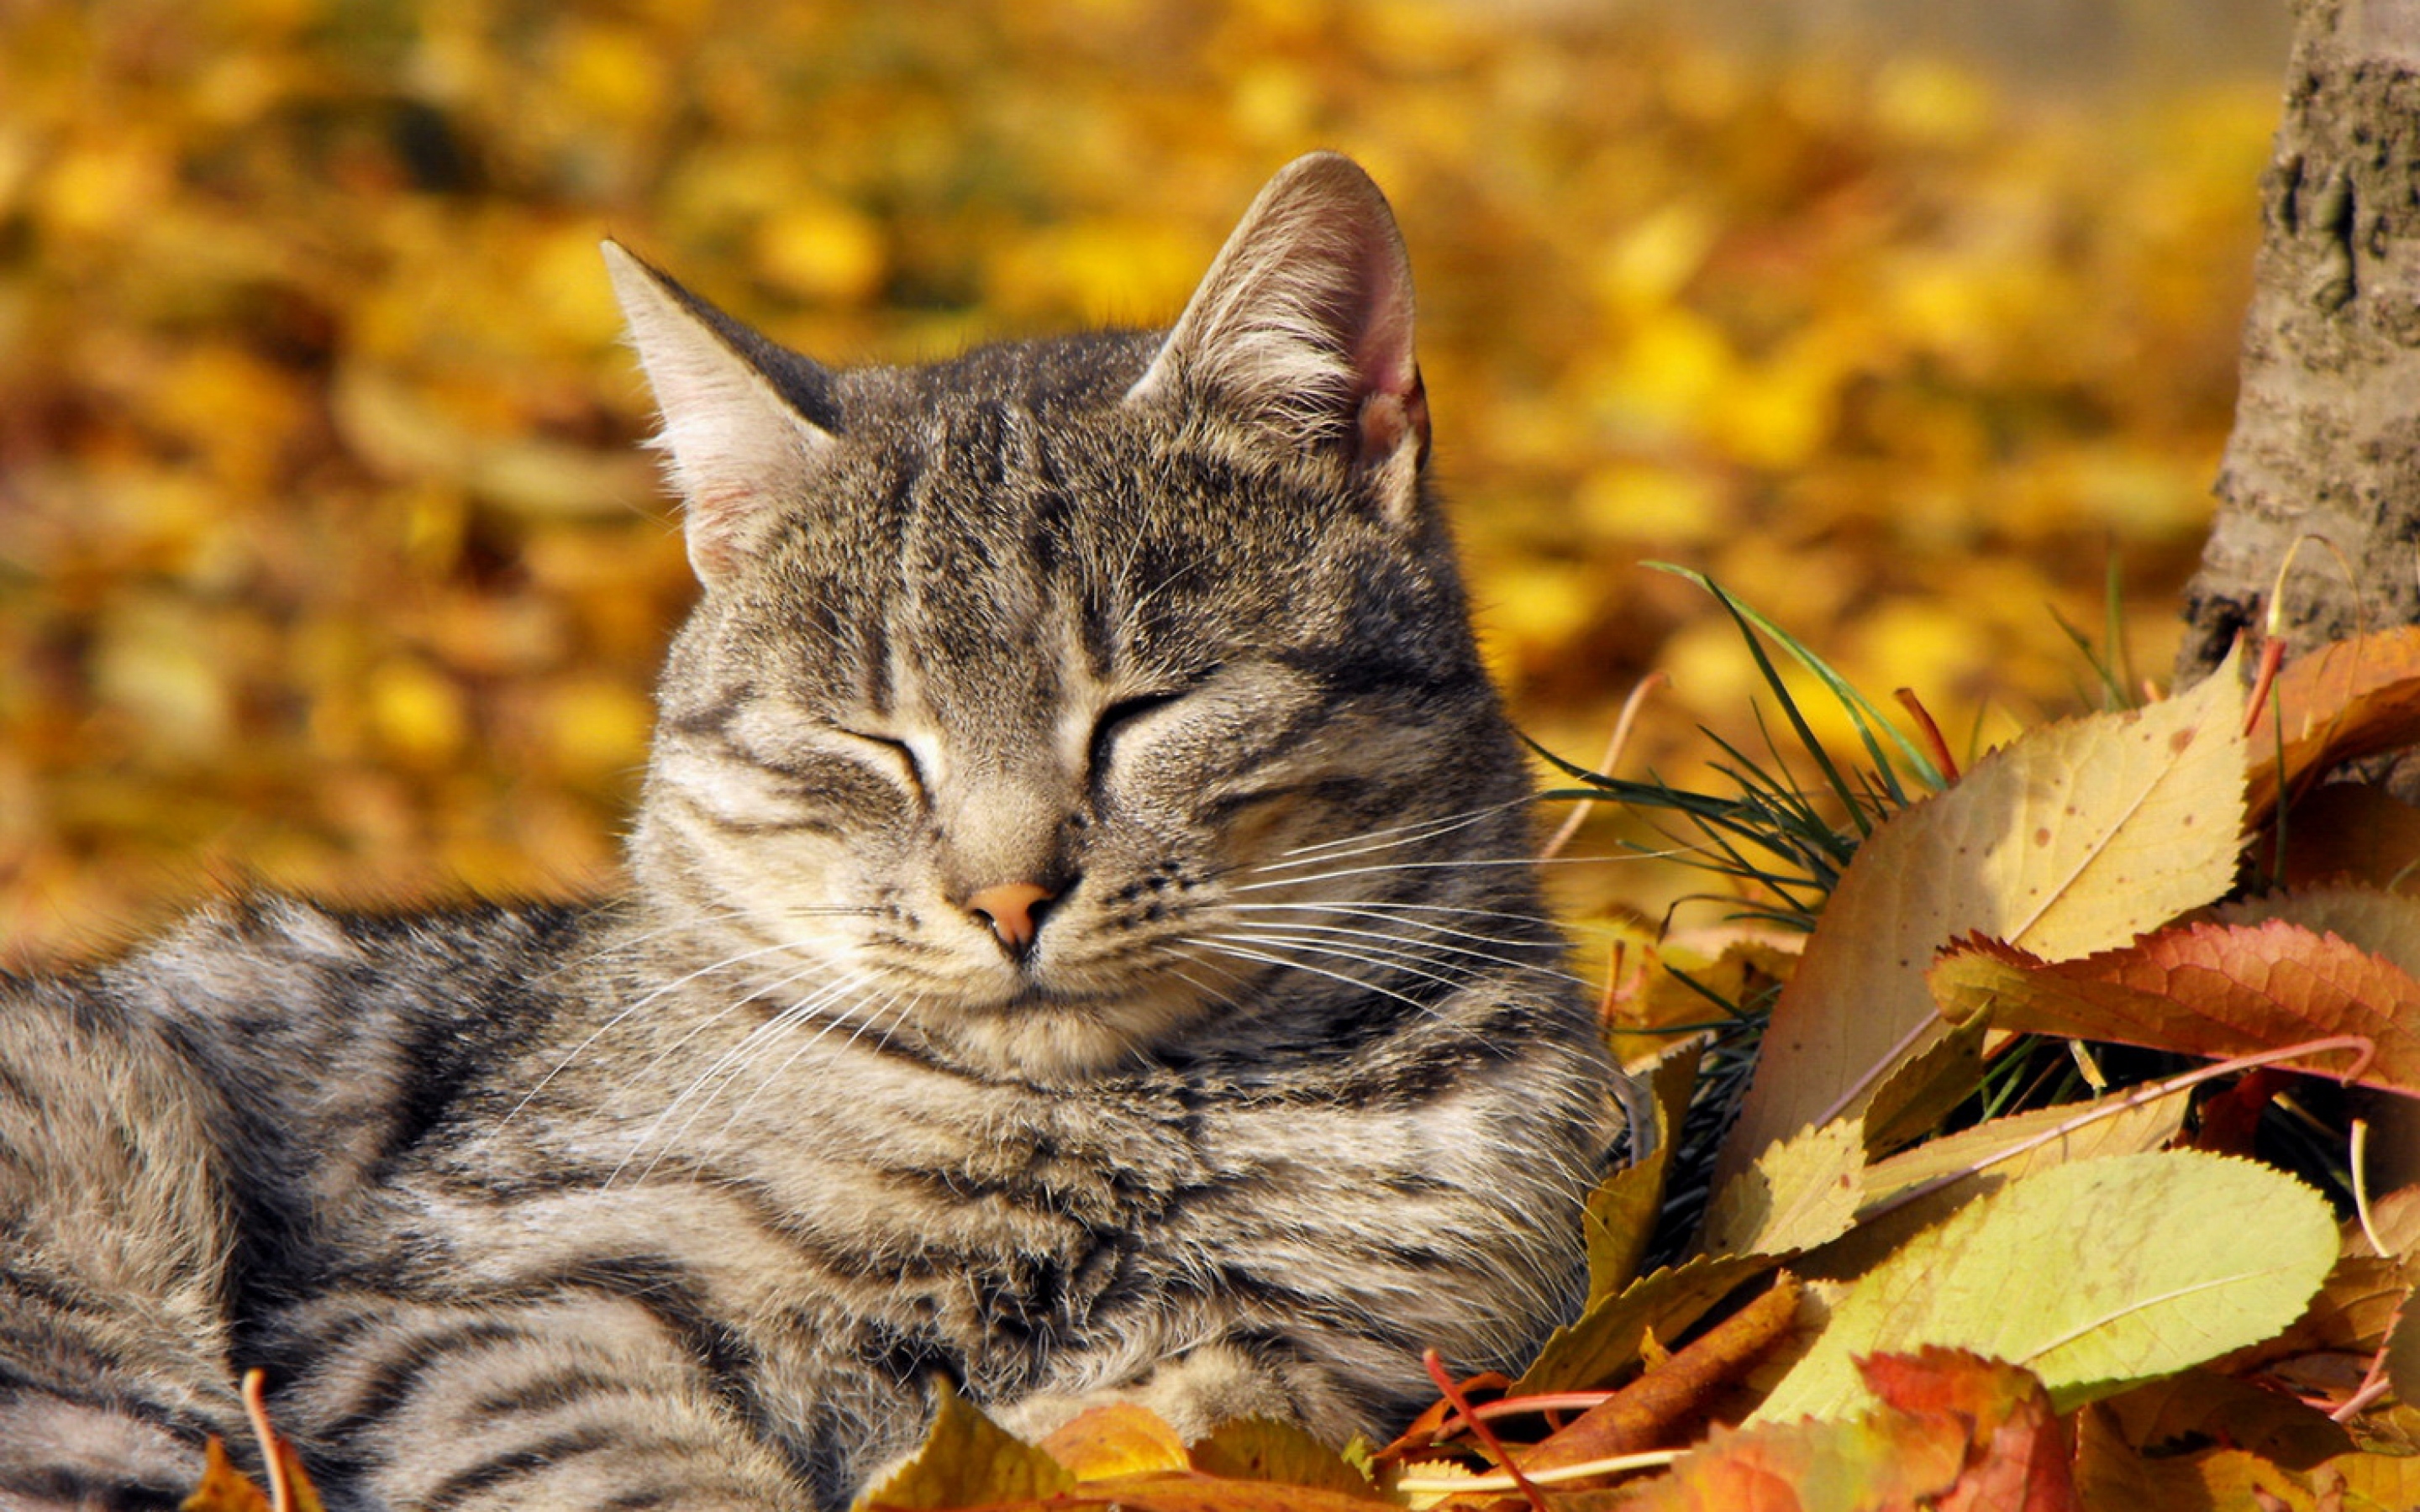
x=1435 y=865
x=724 y=1065
x=1376 y=839
x=608 y=1026
x=1432 y=946
x=1223 y=948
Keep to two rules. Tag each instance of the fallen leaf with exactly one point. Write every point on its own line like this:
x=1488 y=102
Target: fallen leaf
x=1120 y=1439
x=2076 y=837
x=1259 y=1449
x=1877 y=1462
x=1645 y=1412
x=2018 y=1461
x=2093 y=1276
x=967 y=1460
x=2371 y=1482
x=2385 y=924
x=2349 y=1316
x=1619 y=1220
x=2110 y=1476
x=2403 y=1349
x=2346 y=832
x=224 y=1488
x=1589 y=1353
x=1913 y=1100
x=2350 y=698
x=2202 y=1408
x=2201 y=988
x=1801 y=1192
x=1953 y=1432
x=1962 y=1167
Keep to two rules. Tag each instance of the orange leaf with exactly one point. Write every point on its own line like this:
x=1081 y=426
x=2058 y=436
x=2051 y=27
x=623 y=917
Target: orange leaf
x=2202 y=989
x=1644 y=1413
x=2347 y=831
x=1120 y=1439
x=1957 y=1432
x=224 y=1488
x=1180 y=1492
x=2019 y=1458
x=2351 y=699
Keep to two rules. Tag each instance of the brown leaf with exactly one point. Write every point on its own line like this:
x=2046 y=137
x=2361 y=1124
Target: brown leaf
x=1179 y=1492
x=2351 y=699
x=2205 y=1409
x=1589 y=1353
x=2201 y=988
x=2111 y=1477
x=2346 y=831
x=1621 y=1213
x=2371 y=1482
x=1645 y=1412
x=968 y=1460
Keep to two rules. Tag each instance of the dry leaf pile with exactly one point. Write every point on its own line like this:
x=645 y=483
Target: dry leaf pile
x=1902 y=1293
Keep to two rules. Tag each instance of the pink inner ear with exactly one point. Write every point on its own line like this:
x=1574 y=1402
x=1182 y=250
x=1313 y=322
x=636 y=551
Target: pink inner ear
x=1387 y=417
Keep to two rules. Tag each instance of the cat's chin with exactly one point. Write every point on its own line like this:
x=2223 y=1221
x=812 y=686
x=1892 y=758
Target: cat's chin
x=1049 y=1036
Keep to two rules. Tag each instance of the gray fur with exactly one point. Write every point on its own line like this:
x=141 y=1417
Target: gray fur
x=686 y=1198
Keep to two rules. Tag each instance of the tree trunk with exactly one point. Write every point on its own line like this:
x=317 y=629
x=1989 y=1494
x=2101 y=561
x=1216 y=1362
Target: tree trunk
x=2326 y=446
x=2327 y=422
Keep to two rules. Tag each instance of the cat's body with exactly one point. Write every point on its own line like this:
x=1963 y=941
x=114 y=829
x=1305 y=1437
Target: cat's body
x=1081 y=946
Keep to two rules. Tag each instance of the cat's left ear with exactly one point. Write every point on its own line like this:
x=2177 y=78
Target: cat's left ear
x=746 y=423
x=1304 y=326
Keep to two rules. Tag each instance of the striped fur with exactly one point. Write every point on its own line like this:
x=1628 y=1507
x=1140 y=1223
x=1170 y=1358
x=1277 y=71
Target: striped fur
x=685 y=1199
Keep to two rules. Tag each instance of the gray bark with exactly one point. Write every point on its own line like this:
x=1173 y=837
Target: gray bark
x=2327 y=425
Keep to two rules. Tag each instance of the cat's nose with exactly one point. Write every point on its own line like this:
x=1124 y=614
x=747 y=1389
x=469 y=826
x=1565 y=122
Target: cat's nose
x=1014 y=911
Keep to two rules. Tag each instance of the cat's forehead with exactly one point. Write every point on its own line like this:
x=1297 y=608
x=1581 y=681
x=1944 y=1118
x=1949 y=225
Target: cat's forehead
x=1055 y=377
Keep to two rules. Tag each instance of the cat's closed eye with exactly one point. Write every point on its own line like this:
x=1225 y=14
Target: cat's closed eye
x=896 y=755
x=1120 y=717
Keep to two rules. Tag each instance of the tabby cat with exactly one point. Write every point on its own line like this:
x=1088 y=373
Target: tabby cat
x=1081 y=946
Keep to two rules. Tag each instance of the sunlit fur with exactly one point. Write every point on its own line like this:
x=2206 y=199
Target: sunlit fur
x=686 y=1198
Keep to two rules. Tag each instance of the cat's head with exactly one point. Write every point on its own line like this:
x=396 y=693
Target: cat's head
x=1062 y=701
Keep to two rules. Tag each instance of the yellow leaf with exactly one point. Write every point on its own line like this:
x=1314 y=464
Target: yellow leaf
x=2077 y=837
x=1802 y=1192
x=1260 y=1449
x=1120 y=1439
x=967 y=1460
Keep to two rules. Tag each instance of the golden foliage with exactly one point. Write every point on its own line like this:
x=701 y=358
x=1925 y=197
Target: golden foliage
x=324 y=554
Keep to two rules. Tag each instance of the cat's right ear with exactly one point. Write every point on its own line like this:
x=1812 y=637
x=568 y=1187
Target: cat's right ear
x=1303 y=329
x=745 y=422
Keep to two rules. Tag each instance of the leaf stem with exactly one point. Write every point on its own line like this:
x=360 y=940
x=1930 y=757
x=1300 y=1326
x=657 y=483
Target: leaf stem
x=1513 y=1479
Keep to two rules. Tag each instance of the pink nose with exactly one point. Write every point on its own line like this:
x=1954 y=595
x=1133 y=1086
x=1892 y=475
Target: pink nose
x=1010 y=908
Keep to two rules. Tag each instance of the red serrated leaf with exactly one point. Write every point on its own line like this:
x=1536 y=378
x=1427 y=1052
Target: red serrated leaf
x=2202 y=989
x=1957 y=1433
x=2019 y=1456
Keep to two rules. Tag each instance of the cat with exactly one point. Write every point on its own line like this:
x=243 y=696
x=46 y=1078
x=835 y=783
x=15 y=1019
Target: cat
x=1081 y=944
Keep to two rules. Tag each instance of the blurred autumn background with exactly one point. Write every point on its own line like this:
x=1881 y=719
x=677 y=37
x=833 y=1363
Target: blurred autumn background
x=326 y=558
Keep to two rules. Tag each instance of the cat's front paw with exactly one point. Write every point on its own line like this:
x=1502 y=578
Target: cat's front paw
x=1193 y=1394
